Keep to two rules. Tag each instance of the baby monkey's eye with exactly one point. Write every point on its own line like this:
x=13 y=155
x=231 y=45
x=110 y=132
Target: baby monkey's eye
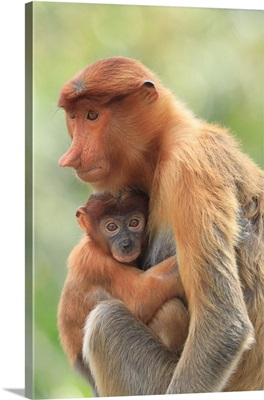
x=92 y=115
x=134 y=223
x=111 y=227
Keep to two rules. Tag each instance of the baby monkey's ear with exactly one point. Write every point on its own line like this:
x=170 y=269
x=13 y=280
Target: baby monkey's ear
x=82 y=218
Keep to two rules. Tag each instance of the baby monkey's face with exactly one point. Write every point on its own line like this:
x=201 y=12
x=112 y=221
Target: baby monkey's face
x=125 y=235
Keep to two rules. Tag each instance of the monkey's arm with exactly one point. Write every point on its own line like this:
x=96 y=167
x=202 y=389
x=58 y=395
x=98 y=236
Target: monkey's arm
x=206 y=227
x=89 y=277
x=143 y=292
x=219 y=333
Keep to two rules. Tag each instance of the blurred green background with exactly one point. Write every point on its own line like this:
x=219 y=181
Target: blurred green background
x=212 y=59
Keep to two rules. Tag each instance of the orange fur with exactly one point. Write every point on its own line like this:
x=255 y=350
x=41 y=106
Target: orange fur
x=93 y=274
x=198 y=180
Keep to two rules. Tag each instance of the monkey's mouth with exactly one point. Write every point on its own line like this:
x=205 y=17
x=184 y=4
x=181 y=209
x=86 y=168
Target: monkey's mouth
x=88 y=171
x=90 y=175
x=126 y=258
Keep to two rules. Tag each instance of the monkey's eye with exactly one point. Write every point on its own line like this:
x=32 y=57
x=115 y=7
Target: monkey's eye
x=72 y=116
x=134 y=223
x=111 y=227
x=92 y=115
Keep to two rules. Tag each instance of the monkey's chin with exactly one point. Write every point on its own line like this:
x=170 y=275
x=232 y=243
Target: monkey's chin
x=126 y=258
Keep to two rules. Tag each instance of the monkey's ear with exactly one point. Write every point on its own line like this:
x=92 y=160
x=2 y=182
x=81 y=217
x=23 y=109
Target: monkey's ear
x=149 y=91
x=81 y=216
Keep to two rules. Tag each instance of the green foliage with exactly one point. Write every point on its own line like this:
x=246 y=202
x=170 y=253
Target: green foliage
x=212 y=59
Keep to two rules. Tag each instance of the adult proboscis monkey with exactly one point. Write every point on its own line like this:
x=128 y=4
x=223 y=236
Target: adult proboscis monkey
x=128 y=130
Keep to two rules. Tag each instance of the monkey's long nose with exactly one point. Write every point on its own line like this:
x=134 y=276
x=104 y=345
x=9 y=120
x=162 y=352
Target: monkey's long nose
x=71 y=158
